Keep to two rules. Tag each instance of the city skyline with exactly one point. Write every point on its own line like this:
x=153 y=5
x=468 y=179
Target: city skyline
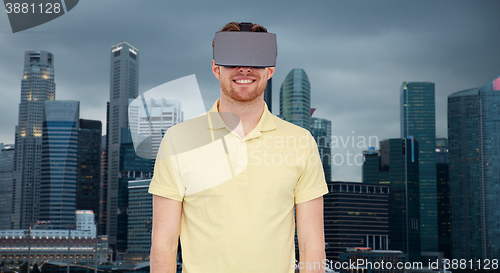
x=356 y=56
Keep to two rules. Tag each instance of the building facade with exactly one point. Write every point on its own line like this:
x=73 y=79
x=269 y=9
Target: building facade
x=52 y=245
x=140 y=221
x=37 y=86
x=443 y=195
x=268 y=95
x=371 y=166
x=418 y=119
x=149 y=120
x=103 y=191
x=474 y=159
x=355 y=215
x=88 y=177
x=6 y=184
x=295 y=98
x=321 y=130
x=124 y=82
x=59 y=163
x=399 y=163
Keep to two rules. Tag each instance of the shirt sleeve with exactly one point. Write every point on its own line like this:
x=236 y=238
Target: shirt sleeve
x=311 y=183
x=166 y=180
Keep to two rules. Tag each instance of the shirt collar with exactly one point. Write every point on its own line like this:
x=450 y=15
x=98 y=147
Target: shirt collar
x=215 y=121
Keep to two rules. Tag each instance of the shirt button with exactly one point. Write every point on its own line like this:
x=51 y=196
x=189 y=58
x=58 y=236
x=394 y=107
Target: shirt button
x=241 y=162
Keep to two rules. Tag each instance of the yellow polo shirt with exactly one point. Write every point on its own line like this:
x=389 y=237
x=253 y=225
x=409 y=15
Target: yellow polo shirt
x=238 y=194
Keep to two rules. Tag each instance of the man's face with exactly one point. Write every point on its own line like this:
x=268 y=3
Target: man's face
x=242 y=84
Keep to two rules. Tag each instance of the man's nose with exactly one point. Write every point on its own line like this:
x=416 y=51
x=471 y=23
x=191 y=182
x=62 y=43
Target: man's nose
x=243 y=69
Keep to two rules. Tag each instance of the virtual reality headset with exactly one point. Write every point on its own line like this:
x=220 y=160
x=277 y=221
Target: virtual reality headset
x=245 y=48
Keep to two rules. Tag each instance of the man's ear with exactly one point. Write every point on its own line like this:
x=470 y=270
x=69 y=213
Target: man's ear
x=215 y=70
x=270 y=73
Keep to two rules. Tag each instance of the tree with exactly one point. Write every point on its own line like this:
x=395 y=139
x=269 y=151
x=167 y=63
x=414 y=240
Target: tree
x=24 y=267
x=35 y=269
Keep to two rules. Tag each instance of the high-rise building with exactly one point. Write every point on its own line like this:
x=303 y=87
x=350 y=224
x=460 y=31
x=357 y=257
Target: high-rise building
x=153 y=121
x=140 y=211
x=59 y=163
x=37 y=86
x=295 y=98
x=474 y=158
x=268 y=95
x=443 y=195
x=321 y=130
x=371 y=166
x=6 y=183
x=103 y=191
x=399 y=160
x=418 y=120
x=355 y=215
x=88 y=177
x=123 y=163
x=124 y=84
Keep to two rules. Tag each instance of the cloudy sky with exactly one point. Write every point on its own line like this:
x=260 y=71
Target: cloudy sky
x=356 y=54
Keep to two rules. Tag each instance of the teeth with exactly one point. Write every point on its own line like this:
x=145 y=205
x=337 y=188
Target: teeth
x=244 y=81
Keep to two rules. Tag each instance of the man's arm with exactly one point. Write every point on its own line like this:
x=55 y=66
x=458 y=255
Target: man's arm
x=310 y=233
x=166 y=229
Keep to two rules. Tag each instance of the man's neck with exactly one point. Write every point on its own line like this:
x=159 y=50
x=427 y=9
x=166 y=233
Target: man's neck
x=242 y=117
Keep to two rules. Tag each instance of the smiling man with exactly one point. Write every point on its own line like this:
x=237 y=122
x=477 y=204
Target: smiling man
x=228 y=182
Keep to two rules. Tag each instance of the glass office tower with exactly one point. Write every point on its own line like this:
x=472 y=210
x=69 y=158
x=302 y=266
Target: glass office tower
x=124 y=83
x=58 y=165
x=6 y=183
x=88 y=180
x=371 y=166
x=418 y=119
x=37 y=86
x=268 y=95
x=321 y=130
x=474 y=158
x=399 y=161
x=443 y=195
x=295 y=98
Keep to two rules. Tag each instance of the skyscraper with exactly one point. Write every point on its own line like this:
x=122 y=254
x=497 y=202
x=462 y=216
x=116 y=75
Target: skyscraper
x=123 y=163
x=88 y=177
x=399 y=160
x=268 y=95
x=418 y=119
x=443 y=195
x=6 y=183
x=295 y=98
x=124 y=83
x=154 y=121
x=103 y=191
x=58 y=164
x=321 y=130
x=37 y=86
x=371 y=166
x=474 y=158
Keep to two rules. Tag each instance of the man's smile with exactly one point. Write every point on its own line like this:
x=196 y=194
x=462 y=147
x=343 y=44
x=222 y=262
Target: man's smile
x=244 y=81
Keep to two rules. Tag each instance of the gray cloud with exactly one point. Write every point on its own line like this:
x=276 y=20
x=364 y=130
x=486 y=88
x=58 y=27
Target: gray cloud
x=356 y=53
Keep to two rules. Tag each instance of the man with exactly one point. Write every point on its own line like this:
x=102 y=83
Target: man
x=228 y=182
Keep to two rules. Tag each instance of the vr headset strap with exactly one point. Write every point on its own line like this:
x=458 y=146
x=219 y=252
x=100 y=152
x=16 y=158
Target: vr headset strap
x=245 y=26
